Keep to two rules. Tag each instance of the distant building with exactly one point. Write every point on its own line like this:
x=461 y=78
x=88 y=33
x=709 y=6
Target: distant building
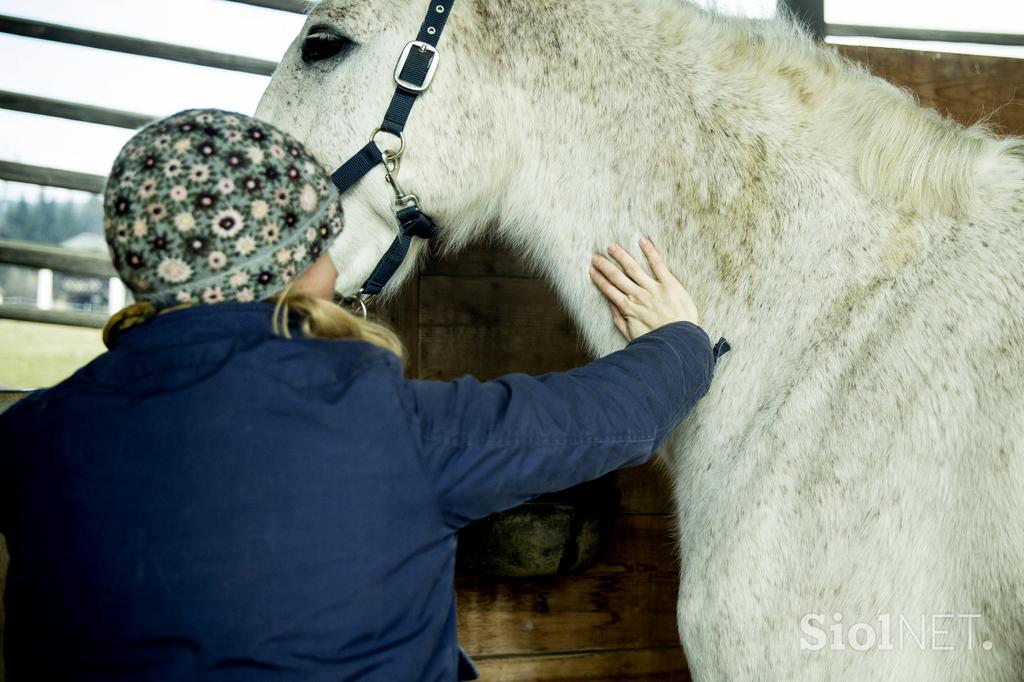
x=78 y=291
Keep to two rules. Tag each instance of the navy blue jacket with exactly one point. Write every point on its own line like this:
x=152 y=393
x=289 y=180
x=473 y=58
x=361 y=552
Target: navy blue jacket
x=210 y=501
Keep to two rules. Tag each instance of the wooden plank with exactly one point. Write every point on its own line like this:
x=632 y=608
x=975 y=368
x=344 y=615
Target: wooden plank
x=645 y=489
x=401 y=313
x=44 y=106
x=296 y=6
x=625 y=601
x=485 y=259
x=51 y=177
x=969 y=88
x=489 y=326
x=70 y=318
x=137 y=46
x=649 y=665
x=32 y=255
x=898 y=33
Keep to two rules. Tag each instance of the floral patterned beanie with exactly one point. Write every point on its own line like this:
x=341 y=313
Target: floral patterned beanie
x=210 y=206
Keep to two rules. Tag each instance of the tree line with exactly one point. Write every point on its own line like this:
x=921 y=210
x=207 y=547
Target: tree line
x=48 y=220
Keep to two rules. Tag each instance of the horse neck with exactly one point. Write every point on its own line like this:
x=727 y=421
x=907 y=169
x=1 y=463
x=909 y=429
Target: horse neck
x=702 y=182
x=708 y=135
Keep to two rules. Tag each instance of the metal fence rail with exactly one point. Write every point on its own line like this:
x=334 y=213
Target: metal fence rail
x=68 y=318
x=87 y=113
x=51 y=177
x=811 y=13
x=137 y=46
x=847 y=30
x=32 y=255
x=296 y=6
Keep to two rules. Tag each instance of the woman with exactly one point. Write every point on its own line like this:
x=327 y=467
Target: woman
x=245 y=486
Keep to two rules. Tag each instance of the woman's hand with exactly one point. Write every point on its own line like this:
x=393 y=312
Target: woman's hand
x=639 y=302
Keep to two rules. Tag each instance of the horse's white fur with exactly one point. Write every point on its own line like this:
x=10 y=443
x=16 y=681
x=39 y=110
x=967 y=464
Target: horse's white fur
x=860 y=451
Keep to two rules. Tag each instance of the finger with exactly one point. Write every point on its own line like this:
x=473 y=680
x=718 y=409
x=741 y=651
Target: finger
x=656 y=262
x=630 y=266
x=616 y=276
x=619 y=321
x=610 y=291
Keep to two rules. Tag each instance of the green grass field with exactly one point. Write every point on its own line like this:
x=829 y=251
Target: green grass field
x=37 y=355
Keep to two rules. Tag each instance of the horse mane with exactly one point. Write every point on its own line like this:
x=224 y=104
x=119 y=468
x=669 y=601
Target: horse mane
x=912 y=156
x=905 y=154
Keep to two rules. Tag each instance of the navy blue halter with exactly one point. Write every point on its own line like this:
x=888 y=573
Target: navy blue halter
x=413 y=76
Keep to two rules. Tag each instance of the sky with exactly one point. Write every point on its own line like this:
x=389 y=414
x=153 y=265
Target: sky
x=159 y=88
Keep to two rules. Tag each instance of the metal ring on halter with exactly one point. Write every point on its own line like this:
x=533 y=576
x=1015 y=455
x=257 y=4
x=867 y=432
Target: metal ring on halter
x=401 y=139
x=355 y=304
x=361 y=310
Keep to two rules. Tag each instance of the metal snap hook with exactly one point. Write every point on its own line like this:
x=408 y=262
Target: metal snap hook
x=391 y=162
x=402 y=199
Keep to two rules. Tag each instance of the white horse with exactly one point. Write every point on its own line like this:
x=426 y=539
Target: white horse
x=850 y=494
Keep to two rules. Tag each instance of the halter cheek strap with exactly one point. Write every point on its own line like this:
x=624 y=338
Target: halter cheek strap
x=413 y=75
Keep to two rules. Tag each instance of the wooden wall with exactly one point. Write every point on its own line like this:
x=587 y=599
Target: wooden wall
x=485 y=314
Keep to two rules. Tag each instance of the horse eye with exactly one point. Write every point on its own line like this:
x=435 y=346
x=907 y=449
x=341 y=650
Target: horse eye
x=324 y=43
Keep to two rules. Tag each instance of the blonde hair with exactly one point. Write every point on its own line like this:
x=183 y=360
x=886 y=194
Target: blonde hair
x=321 y=319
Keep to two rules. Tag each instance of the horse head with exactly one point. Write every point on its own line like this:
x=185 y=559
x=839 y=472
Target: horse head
x=332 y=90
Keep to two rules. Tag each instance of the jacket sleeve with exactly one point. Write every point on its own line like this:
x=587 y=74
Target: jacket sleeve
x=491 y=445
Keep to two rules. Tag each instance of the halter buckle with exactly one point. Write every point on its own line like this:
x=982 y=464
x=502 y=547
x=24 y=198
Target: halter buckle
x=434 y=59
